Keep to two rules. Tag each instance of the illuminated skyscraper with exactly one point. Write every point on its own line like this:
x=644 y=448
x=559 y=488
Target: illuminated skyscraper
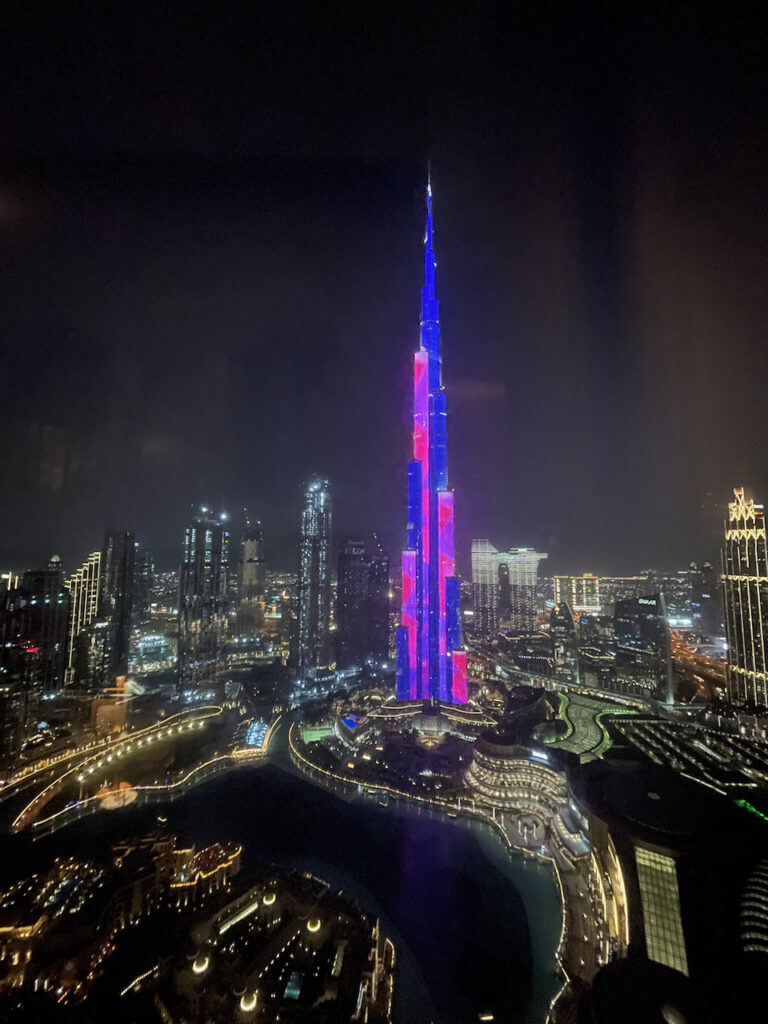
x=745 y=595
x=83 y=587
x=643 y=654
x=565 y=643
x=203 y=601
x=706 y=600
x=431 y=664
x=503 y=584
x=313 y=648
x=118 y=561
x=252 y=581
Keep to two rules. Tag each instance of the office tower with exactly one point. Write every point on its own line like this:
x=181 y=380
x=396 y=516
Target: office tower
x=44 y=620
x=203 y=601
x=252 y=581
x=643 y=655
x=362 y=604
x=431 y=664
x=581 y=592
x=352 y=604
x=83 y=587
x=33 y=635
x=745 y=598
x=144 y=584
x=118 y=565
x=565 y=643
x=706 y=603
x=503 y=587
x=379 y=604
x=314 y=597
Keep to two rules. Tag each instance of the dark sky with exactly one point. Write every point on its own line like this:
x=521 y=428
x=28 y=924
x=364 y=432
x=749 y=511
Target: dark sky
x=211 y=222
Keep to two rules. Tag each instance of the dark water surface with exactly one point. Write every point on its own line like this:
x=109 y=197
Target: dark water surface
x=475 y=929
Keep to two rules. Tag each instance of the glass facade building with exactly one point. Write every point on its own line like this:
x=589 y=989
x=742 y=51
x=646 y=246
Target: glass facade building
x=431 y=663
x=203 y=601
x=565 y=643
x=118 y=567
x=313 y=649
x=643 y=654
x=251 y=580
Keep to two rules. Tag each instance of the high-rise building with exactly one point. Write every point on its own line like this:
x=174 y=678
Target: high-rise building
x=118 y=562
x=45 y=618
x=379 y=604
x=706 y=600
x=362 y=604
x=143 y=586
x=565 y=643
x=581 y=592
x=745 y=598
x=252 y=580
x=352 y=604
x=33 y=635
x=84 y=590
x=503 y=587
x=203 y=601
x=431 y=663
x=643 y=654
x=314 y=597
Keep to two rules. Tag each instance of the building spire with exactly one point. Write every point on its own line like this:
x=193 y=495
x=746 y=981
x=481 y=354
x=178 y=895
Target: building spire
x=429 y=308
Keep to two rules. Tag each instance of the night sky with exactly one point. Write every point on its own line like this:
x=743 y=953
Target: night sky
x=211 y=226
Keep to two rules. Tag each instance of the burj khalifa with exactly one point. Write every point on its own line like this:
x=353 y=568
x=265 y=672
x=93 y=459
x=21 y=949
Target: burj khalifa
x=431 y=664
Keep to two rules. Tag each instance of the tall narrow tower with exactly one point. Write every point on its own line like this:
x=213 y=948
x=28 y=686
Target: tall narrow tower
x=431 y=664
x=203 y=601
x=314 y=576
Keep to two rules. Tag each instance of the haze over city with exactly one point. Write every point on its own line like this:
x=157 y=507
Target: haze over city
x=210 y=273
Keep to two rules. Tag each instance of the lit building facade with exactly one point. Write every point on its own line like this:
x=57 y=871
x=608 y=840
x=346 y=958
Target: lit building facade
x=118 y=567
x=503 y=586
x=565 y=643
x=643 y=654
x=252 y=581
x=84 y=588
x=431 y=664
x=581 y=592
x=203 y=600
x=314 y=618
x=351 y=630
x=745 y=598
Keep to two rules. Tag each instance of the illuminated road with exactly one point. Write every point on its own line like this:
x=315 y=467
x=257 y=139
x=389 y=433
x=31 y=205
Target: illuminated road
x=86 y=765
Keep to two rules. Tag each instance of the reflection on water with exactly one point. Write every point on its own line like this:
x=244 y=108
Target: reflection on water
x=475 y=930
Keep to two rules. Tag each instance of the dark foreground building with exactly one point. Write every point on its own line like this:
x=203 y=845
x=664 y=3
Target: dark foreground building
x=690 y=860
x=362 y=607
